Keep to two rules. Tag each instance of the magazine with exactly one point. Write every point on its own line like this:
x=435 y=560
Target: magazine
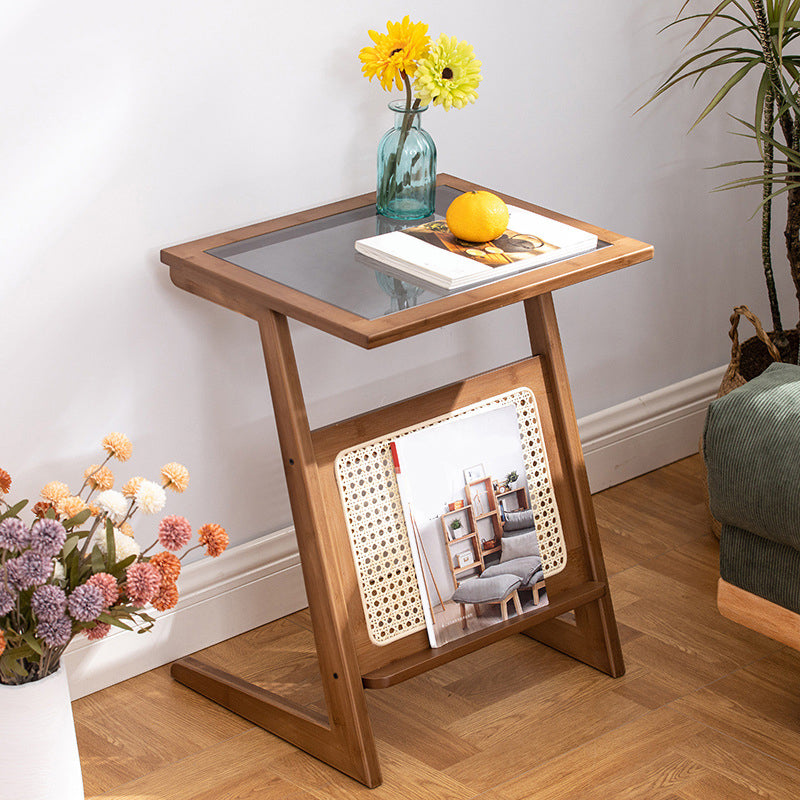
x=476 y=553
x=430 y=253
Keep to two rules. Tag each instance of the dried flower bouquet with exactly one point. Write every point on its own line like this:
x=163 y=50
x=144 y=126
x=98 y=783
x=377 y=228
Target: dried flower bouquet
x=78 y=568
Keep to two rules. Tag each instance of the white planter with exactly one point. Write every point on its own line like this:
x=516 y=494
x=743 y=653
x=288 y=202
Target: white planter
x=38 y=749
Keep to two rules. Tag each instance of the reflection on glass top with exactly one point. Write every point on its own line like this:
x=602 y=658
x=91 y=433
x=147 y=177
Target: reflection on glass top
x=319 y=258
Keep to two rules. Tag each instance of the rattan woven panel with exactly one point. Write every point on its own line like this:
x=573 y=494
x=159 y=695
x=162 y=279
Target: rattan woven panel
x=378 y=536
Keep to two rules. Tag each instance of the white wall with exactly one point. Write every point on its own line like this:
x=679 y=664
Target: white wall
x=127 y=128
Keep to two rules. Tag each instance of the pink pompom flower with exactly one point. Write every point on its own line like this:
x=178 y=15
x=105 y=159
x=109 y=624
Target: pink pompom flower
x=142 y=582
x=107 y=585
x=174 y=532
x=99 y=631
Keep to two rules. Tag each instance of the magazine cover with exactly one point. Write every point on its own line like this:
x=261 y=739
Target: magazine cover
x=430 y=253
x=506 y=249
x=467 y=508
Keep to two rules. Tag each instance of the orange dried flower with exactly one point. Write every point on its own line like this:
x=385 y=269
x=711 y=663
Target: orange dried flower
x=98 y=477
x=168 y=564
x=130 y=488
x=166 y=597
x=118 y=445
x=54 y=492
x=176 y=476
x=5 y=482
x=41 y=508
x=127 y=529
x=2 y=643
x=70 y=505
x=214 y=537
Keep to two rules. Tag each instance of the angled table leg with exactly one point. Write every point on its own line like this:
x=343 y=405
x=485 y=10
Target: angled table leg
x=343 y=740
x=594 y=638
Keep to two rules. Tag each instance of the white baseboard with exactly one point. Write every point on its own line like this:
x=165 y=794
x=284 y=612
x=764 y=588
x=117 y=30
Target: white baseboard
x=644 y=434
x=261 y=581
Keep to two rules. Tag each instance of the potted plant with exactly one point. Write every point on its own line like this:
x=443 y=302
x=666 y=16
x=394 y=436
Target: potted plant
x=75 y=569
x=511 y=479
x=751 y=38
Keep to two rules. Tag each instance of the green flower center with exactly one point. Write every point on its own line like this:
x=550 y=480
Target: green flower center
x=447 y=73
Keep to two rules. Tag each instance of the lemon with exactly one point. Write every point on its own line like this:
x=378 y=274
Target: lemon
x=477 y=216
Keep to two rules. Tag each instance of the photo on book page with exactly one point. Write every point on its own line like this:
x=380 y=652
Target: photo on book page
x=467 y=508
x=505 y=249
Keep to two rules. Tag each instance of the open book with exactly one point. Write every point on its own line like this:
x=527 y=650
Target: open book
x=431 y=254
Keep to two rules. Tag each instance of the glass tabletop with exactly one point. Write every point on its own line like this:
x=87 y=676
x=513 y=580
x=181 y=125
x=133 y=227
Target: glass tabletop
x=319 y=258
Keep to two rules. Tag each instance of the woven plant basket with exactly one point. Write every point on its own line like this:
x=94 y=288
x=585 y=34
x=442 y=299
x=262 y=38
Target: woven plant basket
x=748 y=360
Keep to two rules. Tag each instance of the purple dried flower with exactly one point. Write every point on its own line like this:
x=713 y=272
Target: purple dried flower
x=48 y=602
x=86 y=602
x=48 y=536
x=6 y=599
x=14 y=534
x=29 y=569
x=55 y=632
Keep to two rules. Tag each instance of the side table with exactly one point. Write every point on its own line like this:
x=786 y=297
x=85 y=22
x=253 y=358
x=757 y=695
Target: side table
x=304 y=266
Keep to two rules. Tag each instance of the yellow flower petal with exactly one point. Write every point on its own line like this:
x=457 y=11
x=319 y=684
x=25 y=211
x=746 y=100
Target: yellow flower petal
x=395 y=52
x=449 y=74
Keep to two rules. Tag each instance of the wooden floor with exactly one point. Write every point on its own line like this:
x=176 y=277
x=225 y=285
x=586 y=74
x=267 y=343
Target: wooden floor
x=706 y=709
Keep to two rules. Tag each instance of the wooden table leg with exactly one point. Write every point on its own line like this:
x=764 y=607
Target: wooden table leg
x=594 y=639
x=343 y=740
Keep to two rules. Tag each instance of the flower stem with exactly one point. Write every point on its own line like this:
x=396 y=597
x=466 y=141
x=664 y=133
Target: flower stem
x=91 y=475
x=85 y=547
x=149 y=548
x=186 y=552
x=392 y=180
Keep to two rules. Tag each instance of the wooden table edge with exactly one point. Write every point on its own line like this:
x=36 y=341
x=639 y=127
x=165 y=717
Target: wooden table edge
x=195 y=270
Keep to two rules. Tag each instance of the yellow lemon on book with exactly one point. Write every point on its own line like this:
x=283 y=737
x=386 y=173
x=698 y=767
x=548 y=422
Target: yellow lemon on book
x=477 y=216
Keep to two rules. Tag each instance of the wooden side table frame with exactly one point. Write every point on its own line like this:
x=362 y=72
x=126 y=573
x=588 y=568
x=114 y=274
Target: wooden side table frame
x=349 y=661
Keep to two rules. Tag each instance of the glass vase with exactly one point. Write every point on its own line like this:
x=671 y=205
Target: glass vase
x=406 y=166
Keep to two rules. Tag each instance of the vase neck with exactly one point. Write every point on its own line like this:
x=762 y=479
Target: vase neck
x=403 y=117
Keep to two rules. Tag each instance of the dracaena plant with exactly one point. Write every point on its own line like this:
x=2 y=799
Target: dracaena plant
x=746 y=38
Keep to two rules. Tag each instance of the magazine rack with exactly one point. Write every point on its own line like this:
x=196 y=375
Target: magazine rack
x=303 y=266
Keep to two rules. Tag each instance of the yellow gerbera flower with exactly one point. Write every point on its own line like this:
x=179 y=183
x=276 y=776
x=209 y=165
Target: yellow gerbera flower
x=395 y=52
x=449 y=75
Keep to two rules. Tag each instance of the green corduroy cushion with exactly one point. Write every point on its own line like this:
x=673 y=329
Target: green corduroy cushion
x=752 y=450
x=760 y=566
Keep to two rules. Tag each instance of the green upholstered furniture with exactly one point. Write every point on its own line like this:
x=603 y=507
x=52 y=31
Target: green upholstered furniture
x=751 y=445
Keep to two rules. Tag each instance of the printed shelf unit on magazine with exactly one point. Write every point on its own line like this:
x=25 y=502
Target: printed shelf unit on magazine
x=474 y=544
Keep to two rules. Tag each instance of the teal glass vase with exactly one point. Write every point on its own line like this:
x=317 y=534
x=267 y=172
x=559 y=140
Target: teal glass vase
x=406 y=166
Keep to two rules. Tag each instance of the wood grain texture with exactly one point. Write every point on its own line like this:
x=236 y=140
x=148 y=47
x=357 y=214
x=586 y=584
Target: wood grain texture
x=707 y=709
x=195 y=270
x=758 y=614
x=343 y=737
x=594 y=639
x=411 y=652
